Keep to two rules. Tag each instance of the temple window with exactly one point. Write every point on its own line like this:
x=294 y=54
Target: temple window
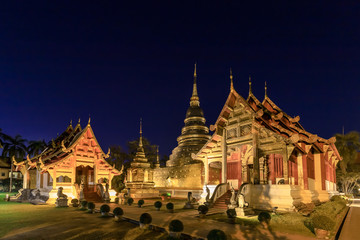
x=63 y=179
x=278 y=163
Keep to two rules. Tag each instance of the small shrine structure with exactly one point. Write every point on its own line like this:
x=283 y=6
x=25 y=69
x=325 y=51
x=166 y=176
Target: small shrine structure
x=139 y=179
x=73 y=161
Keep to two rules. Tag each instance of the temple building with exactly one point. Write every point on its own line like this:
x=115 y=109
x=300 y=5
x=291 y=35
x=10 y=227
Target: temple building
x=73 y=158
x=257 y=143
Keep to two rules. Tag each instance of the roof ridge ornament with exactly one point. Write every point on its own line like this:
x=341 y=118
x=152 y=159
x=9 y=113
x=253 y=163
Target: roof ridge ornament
x=250 y=90
x=231 y=81
x=266 y=90
x=89 y=120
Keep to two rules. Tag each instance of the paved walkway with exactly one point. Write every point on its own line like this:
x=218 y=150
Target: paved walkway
x=351 y=228
x=198 y=227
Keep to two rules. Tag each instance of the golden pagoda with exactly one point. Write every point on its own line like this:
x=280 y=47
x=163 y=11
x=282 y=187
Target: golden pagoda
x=193 y=135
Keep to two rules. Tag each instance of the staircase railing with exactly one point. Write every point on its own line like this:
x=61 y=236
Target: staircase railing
x=220 y=190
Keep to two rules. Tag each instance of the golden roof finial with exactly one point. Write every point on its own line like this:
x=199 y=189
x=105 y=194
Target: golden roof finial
x=250 y=90
x=265 y=90
x=89 y=120
x=79 y=121
x=71 y=122
x=231 y=81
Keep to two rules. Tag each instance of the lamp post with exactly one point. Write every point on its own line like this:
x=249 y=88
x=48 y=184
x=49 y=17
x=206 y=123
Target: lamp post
x=11 y=173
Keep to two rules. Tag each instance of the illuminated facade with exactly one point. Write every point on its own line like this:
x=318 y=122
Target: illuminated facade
x=71 y=158
x=257 y=143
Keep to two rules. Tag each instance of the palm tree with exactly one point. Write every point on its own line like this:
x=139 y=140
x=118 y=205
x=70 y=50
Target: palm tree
x=3 y=138
x=14 y=147
x=348 y=146
x=36 y=147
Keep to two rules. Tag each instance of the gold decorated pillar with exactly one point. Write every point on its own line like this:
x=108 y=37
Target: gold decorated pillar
x=206 y=166
x=285 y=167
x=224 y=158
x=300 y=170
x=317 y=171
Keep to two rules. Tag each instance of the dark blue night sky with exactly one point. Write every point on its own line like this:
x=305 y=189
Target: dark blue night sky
x=61 y=60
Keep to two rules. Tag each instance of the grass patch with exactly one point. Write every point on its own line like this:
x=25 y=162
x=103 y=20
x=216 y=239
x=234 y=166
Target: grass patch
x=290 y=223
x=247 y=221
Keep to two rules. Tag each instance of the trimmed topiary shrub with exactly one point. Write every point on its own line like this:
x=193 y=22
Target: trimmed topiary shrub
x=104 y=208
x=118 y=211
x=176 y=226
x=130 y=201
x=175 y=229
x=75 y=202
x=216 y=234
x=145 y=220
x=231 y=213
x=83 y=205
x=203 y=209
x=158 y=205
x=264 y=218
x=322 y=222
x=90 y=207
x=141 y=202
x=170 y=207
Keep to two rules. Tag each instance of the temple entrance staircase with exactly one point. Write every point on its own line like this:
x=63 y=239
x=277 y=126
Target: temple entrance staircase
x=91 y=196
x=223 y=201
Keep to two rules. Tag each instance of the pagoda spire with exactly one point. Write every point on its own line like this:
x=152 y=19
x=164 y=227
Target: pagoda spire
x=157 y=164
x=194 y=100
x=250 y=90
x=140 y=153
x=140 y=140
x=231 y=81
x=265 y=90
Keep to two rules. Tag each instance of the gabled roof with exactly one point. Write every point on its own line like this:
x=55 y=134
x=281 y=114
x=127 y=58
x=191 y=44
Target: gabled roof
x=60 y=148
x=270 y=116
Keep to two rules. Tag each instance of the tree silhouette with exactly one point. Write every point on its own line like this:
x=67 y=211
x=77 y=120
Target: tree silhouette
x=36 y=147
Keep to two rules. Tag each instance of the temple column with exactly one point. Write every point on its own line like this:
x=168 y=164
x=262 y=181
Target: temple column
x=305 y=173
x=206 y=169
x=285 y=167
x=54 y=179
x=26 y=179
x=224 y=158
x=317 y=170
x=240 y=169
x=261 y=163
x=272 y=168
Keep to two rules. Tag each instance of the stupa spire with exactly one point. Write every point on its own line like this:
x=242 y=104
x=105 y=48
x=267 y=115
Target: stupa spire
x=140 y=153
x=231 y=81
x=140 y=140
x=194 y=100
